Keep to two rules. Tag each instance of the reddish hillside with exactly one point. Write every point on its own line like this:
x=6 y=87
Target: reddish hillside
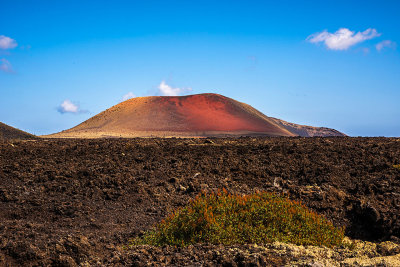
x=184 y=116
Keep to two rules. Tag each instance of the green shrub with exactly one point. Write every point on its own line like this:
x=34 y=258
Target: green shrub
x=397 y=166
x=223 y=218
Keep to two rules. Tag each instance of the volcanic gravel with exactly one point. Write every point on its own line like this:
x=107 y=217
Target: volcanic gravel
x=70 y=202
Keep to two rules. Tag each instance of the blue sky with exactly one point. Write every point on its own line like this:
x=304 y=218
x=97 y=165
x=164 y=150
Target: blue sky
x=320 y=63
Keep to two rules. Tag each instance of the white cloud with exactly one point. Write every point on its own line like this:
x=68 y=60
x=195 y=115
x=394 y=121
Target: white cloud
x=385 y=43
x=68 y=107
x=166 y=90
x=128 y=96
x=343 y=38
x=7 y=42
x=5 y=65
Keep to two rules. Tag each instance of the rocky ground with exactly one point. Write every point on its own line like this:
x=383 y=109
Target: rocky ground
x=79 y=202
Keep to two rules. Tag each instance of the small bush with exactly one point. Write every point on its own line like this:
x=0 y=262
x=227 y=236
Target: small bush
x=397 y=166
x=223 y=218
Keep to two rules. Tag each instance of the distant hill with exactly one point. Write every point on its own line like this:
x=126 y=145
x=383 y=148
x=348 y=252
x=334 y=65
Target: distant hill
x=202 y=115
x=308 y=131
x=9 y=133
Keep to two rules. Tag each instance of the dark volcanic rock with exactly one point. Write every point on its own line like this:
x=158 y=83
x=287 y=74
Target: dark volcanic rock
x=72 y=202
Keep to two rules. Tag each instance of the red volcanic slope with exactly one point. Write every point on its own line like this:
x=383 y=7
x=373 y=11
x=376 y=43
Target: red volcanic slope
x=192 y=115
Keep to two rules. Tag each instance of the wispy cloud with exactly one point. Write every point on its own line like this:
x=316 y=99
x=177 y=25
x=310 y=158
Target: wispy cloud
x=385 y=43
x=365 y=50
x=68 y=107
x=7 y=42
x=5 y=65
x=342 y=39
x=128 y=96
x=166 y=90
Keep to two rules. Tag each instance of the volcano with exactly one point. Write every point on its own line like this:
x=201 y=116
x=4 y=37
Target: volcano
x=202 y=115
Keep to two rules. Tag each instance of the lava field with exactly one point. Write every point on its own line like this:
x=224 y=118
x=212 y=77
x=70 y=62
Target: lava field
x=71 y=201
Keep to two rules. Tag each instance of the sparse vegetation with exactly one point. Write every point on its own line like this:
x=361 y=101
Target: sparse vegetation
x=223 y=218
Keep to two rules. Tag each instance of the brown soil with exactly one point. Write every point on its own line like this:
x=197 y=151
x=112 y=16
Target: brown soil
x=68 y=202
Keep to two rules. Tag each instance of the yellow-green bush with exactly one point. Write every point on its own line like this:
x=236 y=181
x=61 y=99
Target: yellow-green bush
x=397 y=166
x=224 y=218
